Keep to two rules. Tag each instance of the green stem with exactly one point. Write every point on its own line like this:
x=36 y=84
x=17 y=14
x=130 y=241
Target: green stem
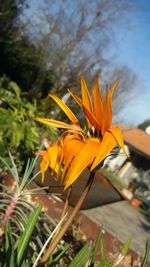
x=69 y=221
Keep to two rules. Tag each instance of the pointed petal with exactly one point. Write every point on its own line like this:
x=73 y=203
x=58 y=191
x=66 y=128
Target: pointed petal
x=97 y=102
x=84 y=159
x=58 y=124
x=66 y=109
x=43 y=167
x=107 y=118
x=106 y=146
x=85 y=95
x=89 y=116
x=86 y=100
x=114 y=86
x=44 y=164
x=119 y=138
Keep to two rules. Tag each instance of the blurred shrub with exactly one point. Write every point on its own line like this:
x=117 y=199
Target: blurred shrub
x=19 y=132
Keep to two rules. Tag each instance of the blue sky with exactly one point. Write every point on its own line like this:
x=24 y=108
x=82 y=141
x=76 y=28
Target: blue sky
x=133 y=49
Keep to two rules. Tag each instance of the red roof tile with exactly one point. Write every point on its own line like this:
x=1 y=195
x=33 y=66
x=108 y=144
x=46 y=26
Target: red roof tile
x=138 y=139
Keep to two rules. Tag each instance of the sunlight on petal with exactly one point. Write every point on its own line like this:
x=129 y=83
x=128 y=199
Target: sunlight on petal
x=65 y=108
x=106 y=146
x=44 y=165
x=83 y=160
x=53 y=155
x=73 y=147
x=118 y=136
x=57 y=124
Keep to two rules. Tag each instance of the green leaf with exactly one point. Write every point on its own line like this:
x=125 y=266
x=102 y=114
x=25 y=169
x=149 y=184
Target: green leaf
x=103 y=253
x=14 y=168
x=105 y=263
x=96 y=248
x=81 y=257
x=146 y=254
x=15 y=88
x=9 y=247
x=57 y=258
x=126 y=246
x=25 y=237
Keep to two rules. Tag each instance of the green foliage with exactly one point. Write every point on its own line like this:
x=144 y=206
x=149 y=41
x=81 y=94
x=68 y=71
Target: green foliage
x=25 y=237
x=95 y=251
x=126 y=246
x=81 y=257
x=146 y=254
x=87 y=256
x=26 y=228
x=9 y=248
x=17 y=252
x=19 y=132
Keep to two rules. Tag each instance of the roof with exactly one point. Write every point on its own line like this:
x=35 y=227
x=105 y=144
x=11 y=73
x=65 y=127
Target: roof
x=137 y=139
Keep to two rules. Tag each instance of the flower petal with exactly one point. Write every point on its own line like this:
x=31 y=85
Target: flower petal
x=53 y=155
x=83 y=160
x=85 y=95
x=44 y=163
x=71 y=149
x=107 y=117
x=98 y=104
x=43 y=167
x=118 y=136
x=86 y=100
x=106 y=146
x=89 y=116
x=58 y=124
x=65 y=108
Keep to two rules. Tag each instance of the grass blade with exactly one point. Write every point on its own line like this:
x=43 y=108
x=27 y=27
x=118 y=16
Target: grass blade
x=105 y=263
x=8 y=167
x=25 y=237
x=97 y=243
x=9 y=248
x=14 y=168
x=103 y=253
x=146 y=254
x=81 y=257
x=126 y=246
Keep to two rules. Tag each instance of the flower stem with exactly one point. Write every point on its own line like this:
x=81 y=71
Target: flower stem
x=69 y=220
x=66 y=203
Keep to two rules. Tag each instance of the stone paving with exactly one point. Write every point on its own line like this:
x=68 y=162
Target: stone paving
x=122 y=220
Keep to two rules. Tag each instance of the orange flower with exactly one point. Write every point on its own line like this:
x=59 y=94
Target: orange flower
x=50 y=158
x=79 y=148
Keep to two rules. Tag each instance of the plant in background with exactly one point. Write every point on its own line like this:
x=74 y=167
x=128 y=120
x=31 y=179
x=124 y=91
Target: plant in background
x=80 y=148
x=19 y=133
